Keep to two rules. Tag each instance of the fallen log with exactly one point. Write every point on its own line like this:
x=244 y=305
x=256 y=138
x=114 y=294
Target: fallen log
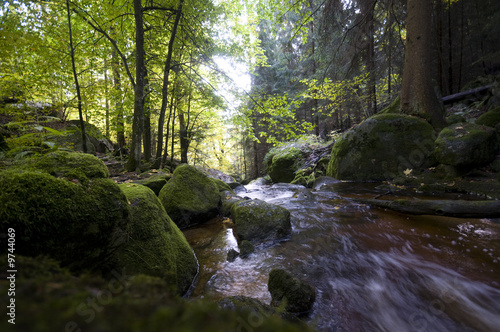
x=462 y=95
x=448 y=208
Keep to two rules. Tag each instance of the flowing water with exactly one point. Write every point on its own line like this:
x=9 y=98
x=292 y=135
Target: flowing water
x=374 y=270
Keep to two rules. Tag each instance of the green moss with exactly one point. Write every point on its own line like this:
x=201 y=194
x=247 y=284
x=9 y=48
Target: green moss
x=394 y=107
x=69 y=222
x=382 y=147
x=490 y=118
x=124 y=303
x=70 y=165
x=154 y=244
x=282 y=162
x=466 y=145
x=221 y=185
x=296 y=295
x=3 y=145
x=455 y=118
x=190 y=197
x=258 y=221
x=246 y=248
x=156 y=182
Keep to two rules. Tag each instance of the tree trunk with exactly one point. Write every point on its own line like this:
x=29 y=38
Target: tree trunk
x=106 y=91
x=418 y=96
x=164 y=89
x=119 y=123
x=134 y=161
x=147 y=119
x=183 y=137
x=77 y=84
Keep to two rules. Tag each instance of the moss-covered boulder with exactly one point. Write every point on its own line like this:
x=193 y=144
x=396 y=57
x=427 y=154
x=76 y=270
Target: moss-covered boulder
x=71 y=165
x=258 y=221
x=156 y=182
x=72 y=223
x=57 y=301
x=228 y=199
x=282 y=163
x=154 y=245
x=466 y=145
x=490 y=118
x=221 y=185
x=455 y=118
x=190 y=197
x=297 y=296
x=382 y=147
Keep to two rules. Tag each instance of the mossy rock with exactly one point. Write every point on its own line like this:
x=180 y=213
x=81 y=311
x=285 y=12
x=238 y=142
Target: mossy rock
x=228 y=199
x=297 y=296
x=490 y=118
x=72 y=223
x=221 y=185
x=190 y=197
x=71 y=165
x=466 y=145
x=455 y=118
x=246 y=248
x=282 y=164
x=258 y=221
x=156 y=182
x=125 y=303
x=154 y=245
x=393 y=108
x=382 y=147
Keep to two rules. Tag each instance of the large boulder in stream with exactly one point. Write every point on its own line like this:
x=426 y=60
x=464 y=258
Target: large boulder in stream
x=190 y=197
x=154 y=245
x=283 y=163
x=74 y=223
x=466 y=145
x=296 y=295
x=382 y=147
x=258 y=221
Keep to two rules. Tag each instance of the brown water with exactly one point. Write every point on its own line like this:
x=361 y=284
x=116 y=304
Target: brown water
x=373 y=270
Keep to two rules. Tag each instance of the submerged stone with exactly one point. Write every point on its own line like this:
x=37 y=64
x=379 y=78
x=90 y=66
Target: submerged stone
x=154 y=245
x=190 y=197
x=246 y=248
x=258 y=221
x=382 y=147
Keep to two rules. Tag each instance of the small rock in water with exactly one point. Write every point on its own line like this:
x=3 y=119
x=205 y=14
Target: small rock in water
x=232 y=255
x=246 y=248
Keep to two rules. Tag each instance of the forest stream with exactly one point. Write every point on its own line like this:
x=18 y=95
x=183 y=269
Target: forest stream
x=373 y=269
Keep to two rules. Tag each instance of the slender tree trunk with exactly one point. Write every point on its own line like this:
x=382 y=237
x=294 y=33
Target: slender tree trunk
x=164 y=90
x=119 y=123
x=418 y=96
x=134 y=161
x=147 y=119
x=370 y=58
x=165 y=154
x=173 y=138
x=439 y=10
x=106 y=91
x=77 y=84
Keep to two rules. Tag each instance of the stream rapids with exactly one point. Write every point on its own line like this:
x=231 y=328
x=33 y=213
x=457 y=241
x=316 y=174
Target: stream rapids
x=373 y=270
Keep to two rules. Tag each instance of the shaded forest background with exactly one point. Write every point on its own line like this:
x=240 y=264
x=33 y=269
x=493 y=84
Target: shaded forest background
x=153 y=75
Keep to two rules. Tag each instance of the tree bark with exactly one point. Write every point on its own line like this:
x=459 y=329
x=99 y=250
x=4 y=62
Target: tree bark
x=119 y=123
x=418 y=96
x=448 y=208
x=134 y=161
x=166 y=73
x=75 y=76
